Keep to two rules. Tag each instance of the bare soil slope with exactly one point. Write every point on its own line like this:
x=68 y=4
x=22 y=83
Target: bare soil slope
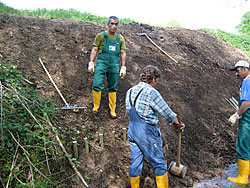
x=195 y=88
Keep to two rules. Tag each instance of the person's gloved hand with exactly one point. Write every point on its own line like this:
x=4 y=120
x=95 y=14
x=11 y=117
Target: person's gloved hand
x=91 y=67
x=123 y=72
x=233 y=118
x=180 y=126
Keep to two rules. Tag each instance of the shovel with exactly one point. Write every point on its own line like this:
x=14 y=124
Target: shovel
x=66 y=106
x=175 y=167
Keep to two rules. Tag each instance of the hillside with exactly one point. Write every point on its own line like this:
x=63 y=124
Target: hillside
x=195 y=88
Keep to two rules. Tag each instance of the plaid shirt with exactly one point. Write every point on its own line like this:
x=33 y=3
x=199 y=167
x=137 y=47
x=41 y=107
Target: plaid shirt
x=149 y=104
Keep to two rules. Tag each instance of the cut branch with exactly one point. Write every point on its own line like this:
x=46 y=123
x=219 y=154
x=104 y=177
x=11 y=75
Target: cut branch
x=12 y=165
x=1 y=97
x=67 y=155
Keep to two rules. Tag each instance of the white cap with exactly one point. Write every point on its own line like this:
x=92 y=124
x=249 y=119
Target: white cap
x=240 y=63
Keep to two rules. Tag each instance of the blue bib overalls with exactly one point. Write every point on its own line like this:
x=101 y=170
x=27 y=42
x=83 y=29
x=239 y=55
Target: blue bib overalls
x=145 y=140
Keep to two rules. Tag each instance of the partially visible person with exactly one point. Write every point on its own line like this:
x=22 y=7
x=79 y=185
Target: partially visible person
x=241 y=69
x=109 y=49
x=143 y=104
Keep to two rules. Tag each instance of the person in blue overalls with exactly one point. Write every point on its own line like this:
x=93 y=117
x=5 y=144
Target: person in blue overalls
x=241 y=69
x=143 y=104
x=109 y=49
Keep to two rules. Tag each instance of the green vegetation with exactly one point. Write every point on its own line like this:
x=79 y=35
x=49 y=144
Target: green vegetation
x=60 y=13
x=28 y=153
x=173 y=23
x=244 y=26
x=240 y=41
x=6 y=9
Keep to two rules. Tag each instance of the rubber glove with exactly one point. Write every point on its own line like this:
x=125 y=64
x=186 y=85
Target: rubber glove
x=91 y=67
x=233 y=118
x=123 y=72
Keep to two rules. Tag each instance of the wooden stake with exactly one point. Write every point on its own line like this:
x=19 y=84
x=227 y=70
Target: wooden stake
x=124 y=134
x=101 y=140
x=75 y=149
x=113 y=137
x=86 y=145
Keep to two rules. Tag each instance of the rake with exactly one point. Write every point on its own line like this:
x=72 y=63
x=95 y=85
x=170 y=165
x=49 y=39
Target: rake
x=66 y=106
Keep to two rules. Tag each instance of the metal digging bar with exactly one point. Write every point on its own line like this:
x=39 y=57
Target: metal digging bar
x=66 y=106
x=145 y=34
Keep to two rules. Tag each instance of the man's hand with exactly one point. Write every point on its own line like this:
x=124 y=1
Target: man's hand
x=123 y=72
x=233 y=118
x=180 y=126
x=91 y=67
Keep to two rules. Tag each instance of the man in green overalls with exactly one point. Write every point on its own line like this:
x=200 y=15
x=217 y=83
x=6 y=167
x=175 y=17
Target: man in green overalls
x=241 y=69
x=109 y=49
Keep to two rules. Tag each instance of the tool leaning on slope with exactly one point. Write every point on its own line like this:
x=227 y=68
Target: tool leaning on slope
x=241 y=69
x=143 y=104
x=109 y=49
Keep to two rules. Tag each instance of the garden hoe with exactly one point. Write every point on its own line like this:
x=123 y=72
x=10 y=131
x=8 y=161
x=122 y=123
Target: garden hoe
x=66 y=106
x=175 y=167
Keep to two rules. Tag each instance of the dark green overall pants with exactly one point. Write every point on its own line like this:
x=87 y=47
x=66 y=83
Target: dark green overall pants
x=243 y=139
x=108 y=63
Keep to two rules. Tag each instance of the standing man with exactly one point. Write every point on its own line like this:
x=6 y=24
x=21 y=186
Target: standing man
x=241 y=69
x=109 y=49
x=143 y=104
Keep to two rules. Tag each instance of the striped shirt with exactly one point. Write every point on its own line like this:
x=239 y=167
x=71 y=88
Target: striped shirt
x=149 y=104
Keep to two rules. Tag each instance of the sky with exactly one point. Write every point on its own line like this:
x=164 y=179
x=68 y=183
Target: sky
x=190 y=14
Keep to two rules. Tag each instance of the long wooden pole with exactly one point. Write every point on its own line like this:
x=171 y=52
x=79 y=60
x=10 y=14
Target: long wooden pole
x=158 y=46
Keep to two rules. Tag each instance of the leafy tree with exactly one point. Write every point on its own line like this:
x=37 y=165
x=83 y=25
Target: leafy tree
x=244 y=26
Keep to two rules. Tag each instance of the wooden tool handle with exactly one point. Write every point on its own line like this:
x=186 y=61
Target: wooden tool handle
x=47 y=72
x=178 y=149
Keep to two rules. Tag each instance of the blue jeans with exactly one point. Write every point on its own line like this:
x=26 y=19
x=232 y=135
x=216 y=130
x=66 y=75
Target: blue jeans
x=145 y=140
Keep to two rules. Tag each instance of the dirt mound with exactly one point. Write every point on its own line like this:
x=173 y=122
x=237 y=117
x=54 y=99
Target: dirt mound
x=195 y=88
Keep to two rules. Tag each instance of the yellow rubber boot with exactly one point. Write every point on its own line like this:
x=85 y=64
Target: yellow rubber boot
x=97 y=100
x=134 y=181
x=243 y=172
x=112 y=104
x=249 y=169
x=162 y=181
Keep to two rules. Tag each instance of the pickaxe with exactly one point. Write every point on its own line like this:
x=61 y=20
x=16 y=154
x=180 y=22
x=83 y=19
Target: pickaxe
x=145 y=34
